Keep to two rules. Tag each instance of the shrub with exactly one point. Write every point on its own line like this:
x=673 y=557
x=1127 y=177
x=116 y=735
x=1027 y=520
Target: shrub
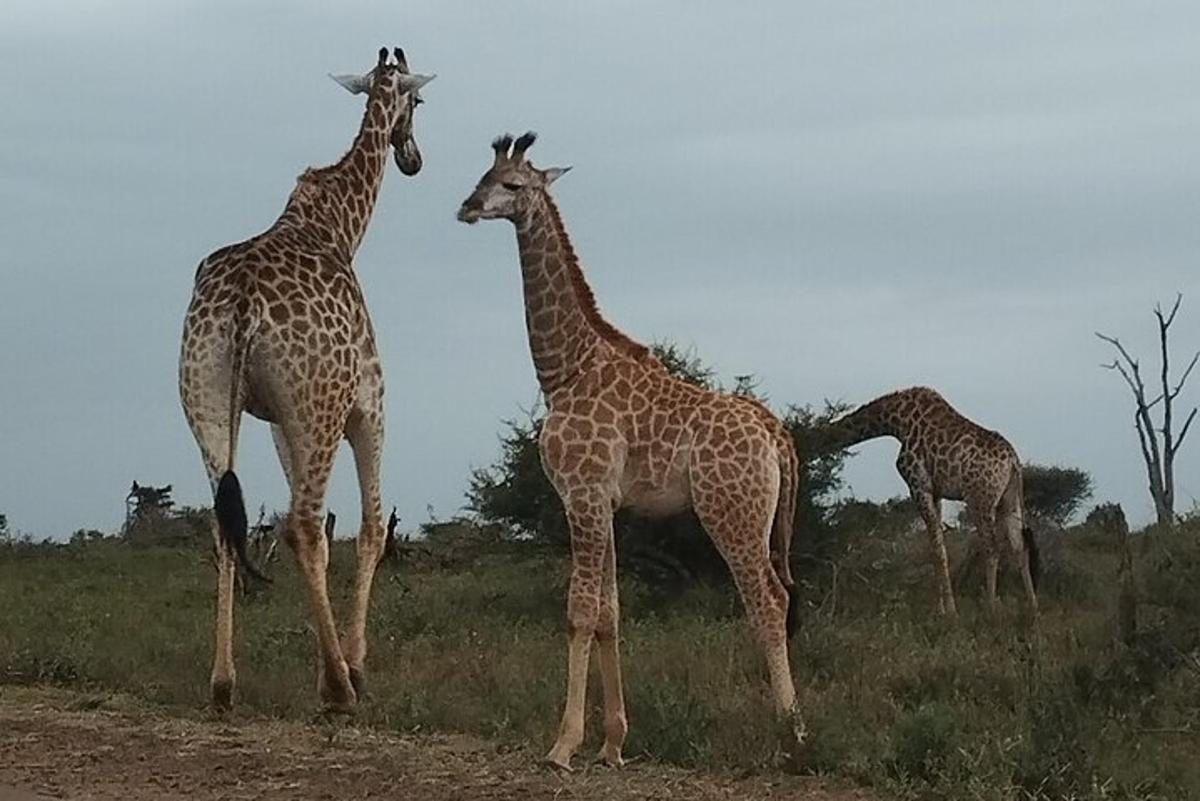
x=1055 y=493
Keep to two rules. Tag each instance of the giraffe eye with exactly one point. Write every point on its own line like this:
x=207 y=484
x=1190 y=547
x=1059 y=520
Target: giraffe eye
x=418 y=100
x=511 y=187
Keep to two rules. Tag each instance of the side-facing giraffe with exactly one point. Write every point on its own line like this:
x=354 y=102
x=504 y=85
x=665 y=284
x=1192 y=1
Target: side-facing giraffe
x=943 y=455
x=277 y=327
x=621 y=432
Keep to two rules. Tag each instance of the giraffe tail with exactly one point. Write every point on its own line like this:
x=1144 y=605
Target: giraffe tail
x=229 y=504
x=782 y=525
x=230 y=508
x=1032 y=554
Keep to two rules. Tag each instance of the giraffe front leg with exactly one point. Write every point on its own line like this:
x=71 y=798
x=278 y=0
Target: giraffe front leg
x=931 y=513
x=591 y=535
x=616 y=725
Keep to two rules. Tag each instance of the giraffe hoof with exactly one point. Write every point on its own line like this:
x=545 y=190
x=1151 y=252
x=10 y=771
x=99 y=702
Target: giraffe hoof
x=337 y=700
x=337 y=709
x=799 y=730
x=555 y=762
x=222 y=695
x=612 y=760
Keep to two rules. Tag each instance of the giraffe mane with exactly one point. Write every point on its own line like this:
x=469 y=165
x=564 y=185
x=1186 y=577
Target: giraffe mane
x=587 y=299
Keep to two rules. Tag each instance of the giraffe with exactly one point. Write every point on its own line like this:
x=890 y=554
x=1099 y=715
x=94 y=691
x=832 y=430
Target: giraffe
x=277 y=327
x=621 y=432
x=943 y=455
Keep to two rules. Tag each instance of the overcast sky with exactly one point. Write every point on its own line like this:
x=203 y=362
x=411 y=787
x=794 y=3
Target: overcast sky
x=841 y=198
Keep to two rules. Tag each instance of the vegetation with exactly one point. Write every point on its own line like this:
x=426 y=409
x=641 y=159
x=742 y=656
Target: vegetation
x=1055 y=493
x=467 y=636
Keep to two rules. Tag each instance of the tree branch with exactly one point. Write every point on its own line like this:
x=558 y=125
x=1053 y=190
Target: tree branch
x=1163 y=326
x=1116 y=343
x=1116 y=365
x=1183 y=431
x=1174 y=308
x=1184 y=377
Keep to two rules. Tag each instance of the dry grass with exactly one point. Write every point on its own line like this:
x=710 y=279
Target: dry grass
x=916 y=706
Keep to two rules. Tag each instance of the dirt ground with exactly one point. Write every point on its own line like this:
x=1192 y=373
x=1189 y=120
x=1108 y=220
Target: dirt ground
x=55 y=744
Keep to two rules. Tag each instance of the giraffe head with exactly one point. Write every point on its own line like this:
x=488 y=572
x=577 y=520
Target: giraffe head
x=511 y=185
x=398 y=90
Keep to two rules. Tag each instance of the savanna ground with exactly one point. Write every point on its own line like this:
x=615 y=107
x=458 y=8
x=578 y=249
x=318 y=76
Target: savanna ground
x=105 y=652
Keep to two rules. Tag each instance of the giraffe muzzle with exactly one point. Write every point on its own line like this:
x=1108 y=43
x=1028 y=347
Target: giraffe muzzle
x=469 y=214
x=408 y=158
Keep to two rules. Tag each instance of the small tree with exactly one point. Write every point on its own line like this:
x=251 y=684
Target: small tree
x=1055 y=492
x=1159 y=457
x=820 y=463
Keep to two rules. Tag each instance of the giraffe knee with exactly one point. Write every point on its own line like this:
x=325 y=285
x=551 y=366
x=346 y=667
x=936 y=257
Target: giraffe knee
x=606 y=622
x=583 y=615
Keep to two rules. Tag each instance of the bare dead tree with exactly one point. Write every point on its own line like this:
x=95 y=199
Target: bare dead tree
x=1158 y=456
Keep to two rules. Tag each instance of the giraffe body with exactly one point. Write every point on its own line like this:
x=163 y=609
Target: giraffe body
x=277 y=327
x=621 y=432
x=944 y=455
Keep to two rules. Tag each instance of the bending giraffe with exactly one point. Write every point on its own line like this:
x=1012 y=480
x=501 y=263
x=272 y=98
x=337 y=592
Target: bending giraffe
x=277 y=327
x=621 y=432
x=943 y=455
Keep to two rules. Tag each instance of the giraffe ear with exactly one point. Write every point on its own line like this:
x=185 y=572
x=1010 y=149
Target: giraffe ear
x=411 y=83
x=354 y=84
x=552 y=174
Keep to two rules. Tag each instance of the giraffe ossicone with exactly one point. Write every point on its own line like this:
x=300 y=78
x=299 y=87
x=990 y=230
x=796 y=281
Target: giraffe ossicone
x=622 y=432
x=277 y=327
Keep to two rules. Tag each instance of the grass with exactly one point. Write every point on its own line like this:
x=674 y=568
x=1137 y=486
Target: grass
x=981 y=707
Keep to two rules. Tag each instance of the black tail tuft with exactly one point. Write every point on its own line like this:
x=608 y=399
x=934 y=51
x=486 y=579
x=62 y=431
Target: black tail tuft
x=1031 y=553
x=793 y=611
x=230 y=509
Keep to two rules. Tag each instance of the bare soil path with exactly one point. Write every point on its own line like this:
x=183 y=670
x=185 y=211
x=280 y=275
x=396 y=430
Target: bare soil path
x=56 y=744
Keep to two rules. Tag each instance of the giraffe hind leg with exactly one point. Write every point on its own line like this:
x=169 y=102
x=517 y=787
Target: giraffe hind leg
x=312 y=457
x=741 y=533
x=364 y=430
x=1012 y=531
x=214 y=440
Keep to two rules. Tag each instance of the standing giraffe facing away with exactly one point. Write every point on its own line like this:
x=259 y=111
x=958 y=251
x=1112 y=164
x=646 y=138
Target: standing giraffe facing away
x=621 y=432
x=943 y=455
x=277 y=327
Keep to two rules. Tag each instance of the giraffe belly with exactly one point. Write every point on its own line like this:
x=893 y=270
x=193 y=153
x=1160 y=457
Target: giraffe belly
x=661 y=495
x=659 y=501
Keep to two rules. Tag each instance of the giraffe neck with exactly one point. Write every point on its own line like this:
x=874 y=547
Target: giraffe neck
x=336 y=202
x=560 y=313
x=879 y=418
